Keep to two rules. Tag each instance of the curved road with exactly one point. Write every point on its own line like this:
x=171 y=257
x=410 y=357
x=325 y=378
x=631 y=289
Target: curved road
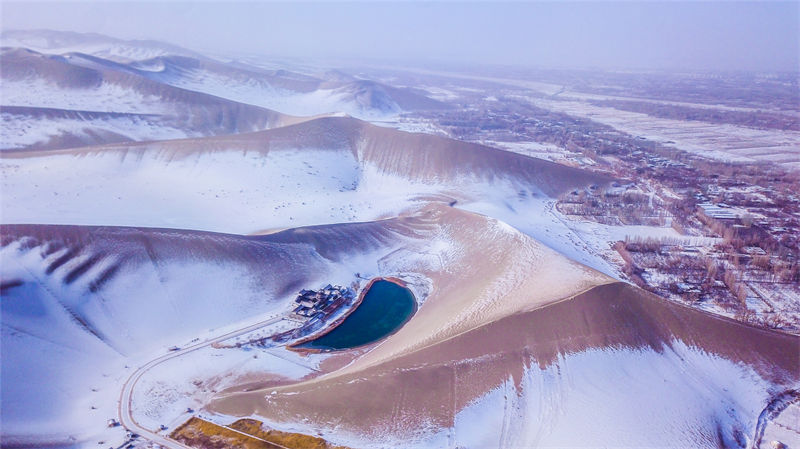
x=124 y=408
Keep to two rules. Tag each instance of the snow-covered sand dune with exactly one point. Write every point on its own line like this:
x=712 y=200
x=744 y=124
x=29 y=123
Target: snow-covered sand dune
x=284 y=91
x=23 y=127
x=509 y=332
x=520 y=340
x=80 y=304
x=68 y=101
x=323 y=170
x=188 y=94
x=326 y=170
x=493 y=343
x=117 y=50
x=90 y=300
x=610 y=367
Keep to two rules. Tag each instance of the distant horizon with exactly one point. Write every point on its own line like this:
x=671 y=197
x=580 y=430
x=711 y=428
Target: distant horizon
x=609 y=36
x=418 y=64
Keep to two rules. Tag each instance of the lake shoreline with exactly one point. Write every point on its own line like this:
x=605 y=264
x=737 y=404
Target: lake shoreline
x=295 y=346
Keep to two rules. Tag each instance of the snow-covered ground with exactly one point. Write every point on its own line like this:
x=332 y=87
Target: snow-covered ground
x=20 y=130
x=582 y=399
x=118 y=318
x=72 y=346
x=716 y=141
x=538 y=150
x=224 y=192
x=570 y=403
x=678 y=393
x=107 y=97
x=165 y=392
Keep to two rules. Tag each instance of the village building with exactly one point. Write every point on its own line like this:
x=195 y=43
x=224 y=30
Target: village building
x=322 y=303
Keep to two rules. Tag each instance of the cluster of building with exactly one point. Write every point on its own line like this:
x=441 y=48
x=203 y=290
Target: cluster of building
x=720 y=211
x=314 y=308
x=324 y=302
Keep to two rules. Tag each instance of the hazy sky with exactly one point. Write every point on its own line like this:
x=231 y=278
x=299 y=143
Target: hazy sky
x=635 y=35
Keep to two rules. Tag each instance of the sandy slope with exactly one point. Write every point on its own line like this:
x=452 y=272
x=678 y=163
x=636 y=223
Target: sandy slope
x=612 y=366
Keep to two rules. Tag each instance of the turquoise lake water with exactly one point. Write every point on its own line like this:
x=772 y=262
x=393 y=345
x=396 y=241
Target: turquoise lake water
x=385 y=308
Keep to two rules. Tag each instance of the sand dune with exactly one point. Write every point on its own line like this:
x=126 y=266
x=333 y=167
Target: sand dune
x=90 y=300
x=419 y=157
x=502 y=316
x=95 y=59
x=79 y=98
x=66 y=128
x=429 y=396
x=119 y=50
x=282 y=90
x=513 y=344
x=177 y=70
x=103 y=295
x=35 y=85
